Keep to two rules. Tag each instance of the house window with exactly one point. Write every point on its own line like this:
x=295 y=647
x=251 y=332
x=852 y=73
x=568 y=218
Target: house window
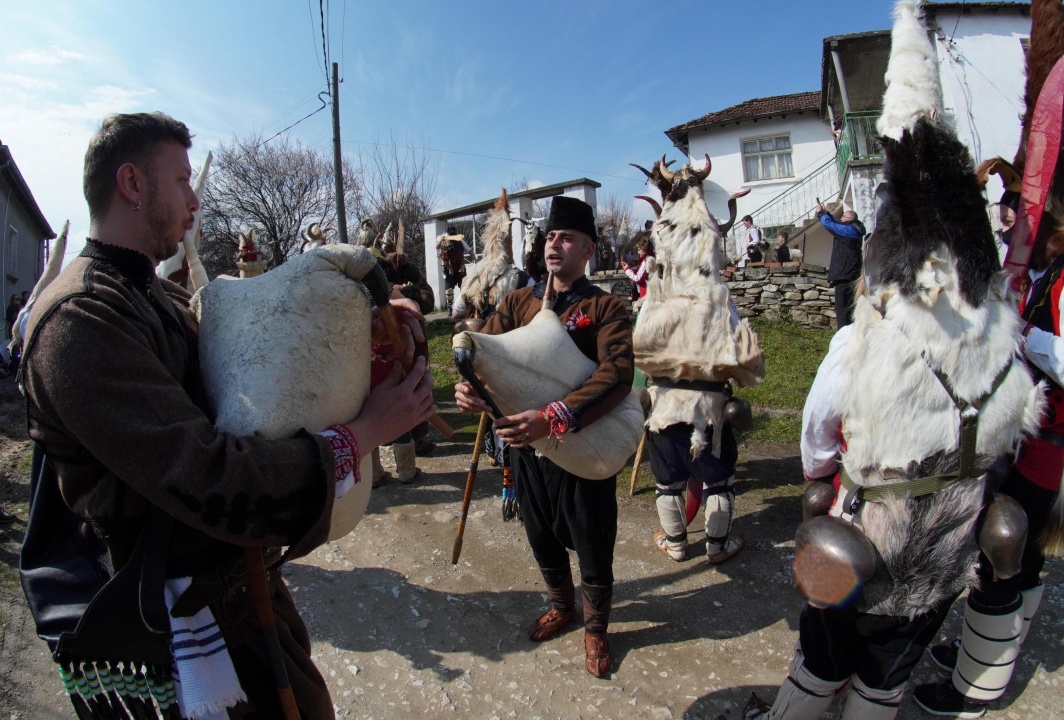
x=767 y=158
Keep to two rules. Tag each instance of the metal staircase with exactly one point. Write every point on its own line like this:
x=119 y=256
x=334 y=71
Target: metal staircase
x=793 y=210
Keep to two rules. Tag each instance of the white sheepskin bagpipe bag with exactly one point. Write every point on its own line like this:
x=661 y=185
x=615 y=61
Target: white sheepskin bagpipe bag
x=290 y=350
x=539 y=363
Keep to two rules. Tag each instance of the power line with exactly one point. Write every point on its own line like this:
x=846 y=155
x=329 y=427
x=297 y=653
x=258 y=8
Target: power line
x=310 y=115
x=321 y=11
x=302 y=101
x=959 y=13
x=310 y=13
x=496 y=157
x=343 y=36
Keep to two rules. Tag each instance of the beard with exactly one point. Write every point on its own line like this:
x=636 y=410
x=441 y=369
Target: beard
x=165 y=230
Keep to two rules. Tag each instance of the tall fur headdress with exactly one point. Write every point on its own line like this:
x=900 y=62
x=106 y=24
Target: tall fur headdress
x=933 y=210
x=498 y=254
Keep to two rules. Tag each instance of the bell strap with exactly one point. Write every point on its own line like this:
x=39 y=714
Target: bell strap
x=969 y=410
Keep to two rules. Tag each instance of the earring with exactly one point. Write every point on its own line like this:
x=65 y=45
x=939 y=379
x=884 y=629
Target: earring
x=136 y=207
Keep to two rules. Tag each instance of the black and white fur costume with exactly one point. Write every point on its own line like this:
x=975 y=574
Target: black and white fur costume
x=937 y=310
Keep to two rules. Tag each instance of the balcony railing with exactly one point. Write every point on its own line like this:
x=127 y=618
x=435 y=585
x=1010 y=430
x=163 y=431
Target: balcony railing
x=859 y=139
x=788 y=210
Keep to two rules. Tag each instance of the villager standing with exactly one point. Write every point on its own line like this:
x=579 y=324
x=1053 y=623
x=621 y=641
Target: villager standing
x=753 y=240
x=562 y=511
x=130 y=444
x=453 y=250
x=848 y=232
x=639 y=276
x=783 y=250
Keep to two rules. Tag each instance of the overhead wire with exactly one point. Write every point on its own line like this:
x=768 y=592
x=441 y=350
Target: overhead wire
x=310 y=13
x=495 y=157
x=321 y=11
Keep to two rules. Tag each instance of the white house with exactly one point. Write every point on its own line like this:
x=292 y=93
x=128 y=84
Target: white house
x=980 y=55
x=769 y=145
x=792 y=149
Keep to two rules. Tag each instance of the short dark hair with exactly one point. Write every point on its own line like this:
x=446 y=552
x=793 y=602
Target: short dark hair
x=452 y=230
x=747 y=218
x=125 y=138
x=785 y=235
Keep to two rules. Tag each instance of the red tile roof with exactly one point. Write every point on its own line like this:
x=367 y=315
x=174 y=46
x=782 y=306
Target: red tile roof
x=748 y=110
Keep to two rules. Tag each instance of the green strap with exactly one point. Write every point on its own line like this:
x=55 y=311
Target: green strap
x=969 y=435
x=969 y=432
x=912 y=488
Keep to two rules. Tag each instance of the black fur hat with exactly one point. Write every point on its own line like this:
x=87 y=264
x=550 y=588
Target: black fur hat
x=932 y=198
x=568 y=213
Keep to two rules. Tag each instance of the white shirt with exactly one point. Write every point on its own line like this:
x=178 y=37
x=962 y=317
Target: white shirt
x=753 y=236
x=821 y=421
x=1044 y=349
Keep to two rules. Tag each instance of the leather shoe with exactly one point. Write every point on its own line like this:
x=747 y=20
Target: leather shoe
x=597 y=658
x=549 y=625
x=6 y=518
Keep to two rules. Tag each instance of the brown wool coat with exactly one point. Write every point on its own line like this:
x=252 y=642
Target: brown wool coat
x=114 y=399
x=607 y=341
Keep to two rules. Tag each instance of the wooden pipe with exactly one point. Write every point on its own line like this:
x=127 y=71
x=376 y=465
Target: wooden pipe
x=467 y=496
x=260 y=592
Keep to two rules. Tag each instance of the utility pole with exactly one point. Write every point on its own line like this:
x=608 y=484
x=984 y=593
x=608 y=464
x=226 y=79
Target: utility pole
x=338 y=165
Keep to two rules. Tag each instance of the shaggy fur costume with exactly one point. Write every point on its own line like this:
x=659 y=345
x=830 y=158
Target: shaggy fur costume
x=684 y=330
x=495 y=275
x=937 y=300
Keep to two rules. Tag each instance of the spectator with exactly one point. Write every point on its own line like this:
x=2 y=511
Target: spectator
x=845 y=268
x=645 y=247
x=783 y=251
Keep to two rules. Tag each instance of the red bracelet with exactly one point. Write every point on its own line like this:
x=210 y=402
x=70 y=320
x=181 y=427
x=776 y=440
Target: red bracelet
x=346 y=455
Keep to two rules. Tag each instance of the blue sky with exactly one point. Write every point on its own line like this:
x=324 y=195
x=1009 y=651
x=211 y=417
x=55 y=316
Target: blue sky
x=558 y=89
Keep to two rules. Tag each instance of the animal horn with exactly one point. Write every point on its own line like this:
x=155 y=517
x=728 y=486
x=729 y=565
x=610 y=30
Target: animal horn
x=653 y=203
x=642 y=169
x=732 y=205
x=663 y=170
x=704 y=172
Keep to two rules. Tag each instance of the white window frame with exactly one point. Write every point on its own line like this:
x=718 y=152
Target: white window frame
x=766 y=153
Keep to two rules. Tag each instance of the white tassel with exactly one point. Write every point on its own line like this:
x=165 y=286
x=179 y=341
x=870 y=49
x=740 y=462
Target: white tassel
x=51 y=272
x=913 y=89
x=196 y=274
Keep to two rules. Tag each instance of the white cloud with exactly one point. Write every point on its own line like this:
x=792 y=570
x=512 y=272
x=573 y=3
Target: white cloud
x=52 y=56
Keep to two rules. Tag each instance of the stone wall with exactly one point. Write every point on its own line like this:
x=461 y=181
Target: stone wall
x=791 y=292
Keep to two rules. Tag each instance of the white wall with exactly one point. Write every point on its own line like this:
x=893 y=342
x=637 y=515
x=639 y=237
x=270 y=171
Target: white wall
x=983 y=79
x=811 y=147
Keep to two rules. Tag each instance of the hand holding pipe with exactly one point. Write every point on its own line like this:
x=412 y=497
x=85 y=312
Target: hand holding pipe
x=395 y=337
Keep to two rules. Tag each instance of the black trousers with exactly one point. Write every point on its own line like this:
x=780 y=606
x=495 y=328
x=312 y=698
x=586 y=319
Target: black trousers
x=845 y=294
x=562 y=512
x=882 y=650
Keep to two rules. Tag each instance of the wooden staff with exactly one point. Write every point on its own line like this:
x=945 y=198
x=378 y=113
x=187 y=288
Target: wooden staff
x=395 y=336
x=467 y=497
x=638 y=461
x=260 y=592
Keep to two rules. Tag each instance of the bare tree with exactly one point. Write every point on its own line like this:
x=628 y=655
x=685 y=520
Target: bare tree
x=541 y=207
x=278 y=188
x=396 y=180
x=615 y=217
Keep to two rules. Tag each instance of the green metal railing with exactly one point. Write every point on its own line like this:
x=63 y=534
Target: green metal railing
x=859 y=140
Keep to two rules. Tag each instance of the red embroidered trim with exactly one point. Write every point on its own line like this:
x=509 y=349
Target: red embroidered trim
x=346 y=455
x=560 y=421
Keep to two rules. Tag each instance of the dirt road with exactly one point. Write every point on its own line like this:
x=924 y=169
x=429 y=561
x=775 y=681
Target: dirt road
x=400 y=632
